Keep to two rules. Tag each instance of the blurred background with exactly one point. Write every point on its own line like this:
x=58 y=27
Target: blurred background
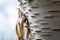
x=8 y=18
